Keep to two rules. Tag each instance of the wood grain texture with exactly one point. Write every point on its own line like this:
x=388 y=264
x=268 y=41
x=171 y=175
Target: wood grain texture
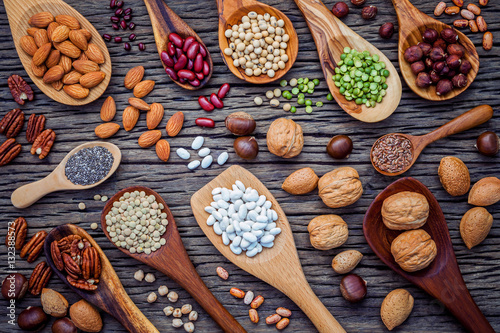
x=176 y=184
x=19 y=14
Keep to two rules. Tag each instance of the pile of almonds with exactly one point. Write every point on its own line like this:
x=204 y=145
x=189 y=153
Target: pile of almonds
x=63 y=54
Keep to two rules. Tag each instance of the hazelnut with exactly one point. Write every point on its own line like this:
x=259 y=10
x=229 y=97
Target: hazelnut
x=14 y=286
x=440 y=43
x=465 y=67
x=64 y=325
x=285 y=138
x=340 y=146
x=413 y=250
x=437 y=54
x=434 y=76
x=246 y=147
x=443 y=87
x=53 y=303
x=358 y=2
x=449 y=35
x=488 y=143
x=456 y=49
x=240 y=123
x=340 y=9
x=32 y=319
x=429 y=63
x=327 y=232
x=459 y=81
x=430 y=35
x=453 y=61
x=353 y=288
x=413 y=53
x=425 y=47
x=85 y=316
x=423 y=80
x=386 y=30
x=438 y=66
x=369 y=12
x=417 y=67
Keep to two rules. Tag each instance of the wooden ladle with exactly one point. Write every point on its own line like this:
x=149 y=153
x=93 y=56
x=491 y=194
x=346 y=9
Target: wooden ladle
x=109 y=295
x=331 y=36
x=165 y=21
x=442 y=278
x=172 y=260
x=279 y=266
x=28 y=194
x=472 y=118
x=412 y=23
x=231 y=12
x=19 y=14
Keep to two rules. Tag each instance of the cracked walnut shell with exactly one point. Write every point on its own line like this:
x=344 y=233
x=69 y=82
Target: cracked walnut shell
x=405 y=210
x=285 y=138
x=327 y=232
x=414 y=250
x=340 y=187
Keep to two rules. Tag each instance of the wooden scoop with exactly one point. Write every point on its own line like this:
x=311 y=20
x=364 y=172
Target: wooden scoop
x=472 y=118
x=20 y=12
x=173 y=261
x=109 y=295
x=28 y=194
x=279 y=266
x=412 y=23
x=165 y=21
x=331 y=36
x=442 y=278
x=231 y=12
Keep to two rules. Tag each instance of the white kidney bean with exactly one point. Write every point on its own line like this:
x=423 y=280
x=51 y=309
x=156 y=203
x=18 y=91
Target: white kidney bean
x=197 y=142
x=193 y=165
x=222 y=158
x=183 y=153
x=204 y=152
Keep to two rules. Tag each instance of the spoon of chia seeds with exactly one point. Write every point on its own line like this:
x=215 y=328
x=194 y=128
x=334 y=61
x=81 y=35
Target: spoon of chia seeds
x=395 y=153
x=86 y=166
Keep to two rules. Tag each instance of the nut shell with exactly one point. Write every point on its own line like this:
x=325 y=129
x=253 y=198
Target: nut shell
x=240 y=123
x=413 y=250
x=340 y=187
x=405 y=210
x=301 y=181
x=485 y=192
x=53 y=303
x=346 y=261
x=327 y=232
x=475 y=226
x=454 y=176
x=85 y=316
x=396 y=308
x=285 y=138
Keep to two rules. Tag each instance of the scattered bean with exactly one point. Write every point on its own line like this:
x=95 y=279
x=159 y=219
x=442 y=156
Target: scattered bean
x=216 y=101
x=222 y=159
x=97 y=197
x=257 y=301
x=197 y=142
x=186 y=308
x=487 y=41
x=168 y=310
x=223 y=90
x=273 y=319
x=283 y=323
x=163 y=290
x=183 y=153
x=238 y=293
x=205 y=104
x=274 y=102
x=440 y=7
x=93 y=226
x=177 y=323
x=172 y=296
x=139 y=275
x=193 y=316
x=150 y=278
x=284 y=312
x=254 y=316
x=193 y=164
x=248 y=297
x=258 y=101
x=189 y=327
x=204 y=122
x=152 y=298
x=81 y=206
x=177 y=313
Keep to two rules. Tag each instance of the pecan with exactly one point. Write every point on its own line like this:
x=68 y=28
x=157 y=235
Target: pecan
x=43 y=143
x=55 y=253
x=39 y=278
x=19 y=89
x=34 y=247
x=16 y=234
x=71 y=266
x=9 y=150
x=82 y=284
x=65 y=243
x=36 y=125
x=91 y=264
x=12 y=123
x=77 y=247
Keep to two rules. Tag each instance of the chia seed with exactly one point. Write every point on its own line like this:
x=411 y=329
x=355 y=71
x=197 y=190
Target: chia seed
x=89 y=165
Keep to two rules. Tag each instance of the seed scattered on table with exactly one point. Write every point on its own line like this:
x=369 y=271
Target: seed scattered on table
x=168 y=310
x=93 y=226
x=193 y=316
x=152 y=297
x=89 y=165
x=248 y=297
x=150 y=278
x=172 y=296
x=186 y=308
x=163 y=290
x=97 y=197
x=177 y=322
x=177 y=313
x=222 y=273
x=189 y=327
x=104 y=198
x=81 y=206
x=139 y=275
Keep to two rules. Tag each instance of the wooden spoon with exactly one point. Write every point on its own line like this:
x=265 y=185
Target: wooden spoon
x=442 y=278
x=28 y=194
x=231 y=12
x=165 y=21
x=172 y=260
x=472 y=118
x=278 y=266
x=109 y=295
x=331 y=36
x=19 y=14
x=412 y=23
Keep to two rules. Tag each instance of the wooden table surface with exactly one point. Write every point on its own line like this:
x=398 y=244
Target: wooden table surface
x=75 y=125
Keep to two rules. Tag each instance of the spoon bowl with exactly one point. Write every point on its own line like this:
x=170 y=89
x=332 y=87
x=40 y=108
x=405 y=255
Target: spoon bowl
x=412 y=24
x=28 y=194
x=19 y=14
x=442 y=279
x=231 y=12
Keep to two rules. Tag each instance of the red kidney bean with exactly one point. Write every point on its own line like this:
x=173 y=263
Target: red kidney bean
x=223 y=90
x=123 y=24
x=119 y=4
x=132 y=37
x=186 y=74
x=193 y=50
x=190 y=64
x=118 y=39
x=131 y=25
x=198 y=63
x=176 y=39
x=178 y=52
x=127 y=47
x=199 y=76
x=195 y=83
x=171 y=73
x=203 y=51
x=205 y=104
x=205 y=122
x=182 y=80
x=142 y=47
x=181 y=63
x=128 y=11
x=119 y=12
x=107 y=37
x=127 y=17
x=188 y=42
x=167 y=60
x=170 y=49
x=112 y=4
x=115 y=26
x=115 y=19
x=216 y=101
x=206 y=68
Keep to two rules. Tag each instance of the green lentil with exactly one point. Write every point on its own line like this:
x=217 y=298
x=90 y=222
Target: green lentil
x=293 y=109
x=308 y=102
x=283 y=83
x=329 y=97
x=316 y=82
x=319 y=104
x=309 y=109
x=295 y=90
x=301 y=101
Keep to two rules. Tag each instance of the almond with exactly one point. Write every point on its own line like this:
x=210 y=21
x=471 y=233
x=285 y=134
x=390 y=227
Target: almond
x=51 y=28
x=133 y=77
x=42 y=54
x=68 y=21
x=475 y=226
x=66 y=63
x=83 y=56
x=92 y=79
x=155 y=115
x=86 y=33
x=149 y=138
x=68 y=48
x=163 y=150
x=71 y=78
x=94 y=53
x=58 y=85
x=28 y=45
x=31 y=31
x=53 y=58
x=79 y=39
x=76 y=91
x=108 y=109
x=41 y=37
x=301 y=181
x=41 y=20
x=60 y=34
x=53 y=303
x=39 y=71
x=454 y=176
x=485 y=192
x=346 y=261
x=139 y=104
x=130 y=117
x=54 y=74
x=174 y=124
x=106 y=130
x=143 y=88
x=396 y=308
x=85 y=66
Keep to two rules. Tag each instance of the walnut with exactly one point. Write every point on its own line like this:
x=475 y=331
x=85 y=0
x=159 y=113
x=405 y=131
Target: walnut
x=405 y=210
x=414 y=250
x=340 y=187
x=285 y=138
x=327 y=232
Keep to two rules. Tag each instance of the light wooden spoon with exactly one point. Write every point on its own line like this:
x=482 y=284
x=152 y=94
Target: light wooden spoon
x=19 y=14
x=472 y=118
x=279 y=266
x=331 y=36
x=412 y=23
x=109 y=295
x=231 y=12
x=27 y=195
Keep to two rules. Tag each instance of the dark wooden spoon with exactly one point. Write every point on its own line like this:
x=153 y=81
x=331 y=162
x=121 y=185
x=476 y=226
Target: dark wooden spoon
x=442 y=278
x=165 y=21
x=110 y=295
x=173 y=261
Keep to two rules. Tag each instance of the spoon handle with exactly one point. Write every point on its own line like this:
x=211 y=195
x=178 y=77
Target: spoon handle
x=28 y=194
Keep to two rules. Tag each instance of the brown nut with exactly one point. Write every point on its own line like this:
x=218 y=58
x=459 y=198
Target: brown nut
x=85 y=316
x=454 y=175
x=340 y=9
x=20 y=89
x=340 y=187
x=353 y=288
x=39 y=278
x=369 y=12
x=386 y=30
x=174 y=124
x=32 y=319
x=16 y=233
x=327 y=232
x=413 y=250
x=346 y=261
x=301 y=181
x=12 y=123
x=396 y=307
x=64 y=325
x=405 y=210
x=246 y=147
x=154 y=115
x=475 y=226
x=34 y=246
x=36 y=125
x=285 y=138
x=485 y=192
x=240 y=123
x=9 y=150
x=14 y=286
x=43 y=143
x=358 y=2
x=54 y=304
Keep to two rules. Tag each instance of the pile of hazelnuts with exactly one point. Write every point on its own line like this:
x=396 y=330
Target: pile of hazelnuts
x=439 y=60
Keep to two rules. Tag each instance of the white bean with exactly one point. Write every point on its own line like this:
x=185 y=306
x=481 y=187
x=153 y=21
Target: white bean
x=197 y=142
x=207 y=161
x=222 y=158
x=204 y=152
x=183 y=153
x=193 y=165
x=209 y=209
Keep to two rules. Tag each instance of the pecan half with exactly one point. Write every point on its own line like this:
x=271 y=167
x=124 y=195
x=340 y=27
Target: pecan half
x=39 y=278
x=71 y=266
x=20 y=90
x=65 y=243
x=12 y=123
x=55 y=253
x=77 y=247
x=43 y=143
x=36 y=125
x=82 y=284
x=91 y=264
x=16 y=234
x=34 y=247
x=9 y=150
